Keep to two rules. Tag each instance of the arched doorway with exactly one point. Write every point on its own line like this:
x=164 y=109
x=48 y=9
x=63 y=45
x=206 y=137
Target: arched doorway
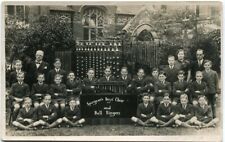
x=144 y=32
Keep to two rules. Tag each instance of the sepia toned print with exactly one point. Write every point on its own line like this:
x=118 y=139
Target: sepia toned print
x=121 y=69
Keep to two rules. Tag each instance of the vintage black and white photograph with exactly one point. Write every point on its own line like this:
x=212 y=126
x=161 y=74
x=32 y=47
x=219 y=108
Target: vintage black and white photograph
x=112 y=69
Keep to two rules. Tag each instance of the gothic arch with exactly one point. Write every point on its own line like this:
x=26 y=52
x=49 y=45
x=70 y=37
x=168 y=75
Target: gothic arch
x=143 y=27
x=82 y=8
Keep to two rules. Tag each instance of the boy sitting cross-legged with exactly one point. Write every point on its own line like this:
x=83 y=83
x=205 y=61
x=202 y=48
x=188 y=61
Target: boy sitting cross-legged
x=47 y=114
x=27 y=115
x=184 y=112
x=166 y=111
x=146 y=112
x=72 y=114
x=203 y=114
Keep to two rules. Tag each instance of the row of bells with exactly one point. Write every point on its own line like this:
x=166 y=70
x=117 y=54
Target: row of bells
x=99 y=43
x=98 y=61
x=105 y=49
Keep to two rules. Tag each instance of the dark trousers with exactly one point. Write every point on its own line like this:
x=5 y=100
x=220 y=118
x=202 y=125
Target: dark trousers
x=212 y=101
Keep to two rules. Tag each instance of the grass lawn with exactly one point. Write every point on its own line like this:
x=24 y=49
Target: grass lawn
x=109 y=130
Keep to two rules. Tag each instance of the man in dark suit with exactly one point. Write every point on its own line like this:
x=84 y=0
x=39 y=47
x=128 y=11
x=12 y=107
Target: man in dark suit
x=197 y=65
x=37 y=66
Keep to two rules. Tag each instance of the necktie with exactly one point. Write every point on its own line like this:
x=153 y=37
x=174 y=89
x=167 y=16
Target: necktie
x=199 y=62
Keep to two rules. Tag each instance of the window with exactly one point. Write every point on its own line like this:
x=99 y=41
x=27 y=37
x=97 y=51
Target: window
x=19 y=11
x=93 y=19
x=214 y=11
x=197 y=11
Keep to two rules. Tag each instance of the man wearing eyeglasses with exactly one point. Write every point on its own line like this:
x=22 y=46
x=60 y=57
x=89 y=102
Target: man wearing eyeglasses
x=197 y=65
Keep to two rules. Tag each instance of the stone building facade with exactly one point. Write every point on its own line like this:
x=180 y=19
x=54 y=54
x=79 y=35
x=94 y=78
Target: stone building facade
x=102 y=22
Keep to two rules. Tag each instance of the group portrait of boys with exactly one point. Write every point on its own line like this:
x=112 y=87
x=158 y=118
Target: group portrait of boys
x=181 y=94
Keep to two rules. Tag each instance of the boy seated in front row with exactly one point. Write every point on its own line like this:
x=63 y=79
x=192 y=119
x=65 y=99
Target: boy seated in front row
x=198 y=88
x=47 y=114
x=146 y=112
x=179 y=87
x=72 y=115
x=203 y=114
x=38 y=90
x=19 y=91
x=166 y=110
x=183 y=113
x=58 y=93
x=27 y=115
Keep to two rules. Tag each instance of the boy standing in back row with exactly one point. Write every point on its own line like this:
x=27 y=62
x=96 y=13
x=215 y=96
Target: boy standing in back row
x=211 y=78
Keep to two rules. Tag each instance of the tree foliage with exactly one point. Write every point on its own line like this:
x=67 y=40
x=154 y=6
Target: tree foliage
x=48 y=33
